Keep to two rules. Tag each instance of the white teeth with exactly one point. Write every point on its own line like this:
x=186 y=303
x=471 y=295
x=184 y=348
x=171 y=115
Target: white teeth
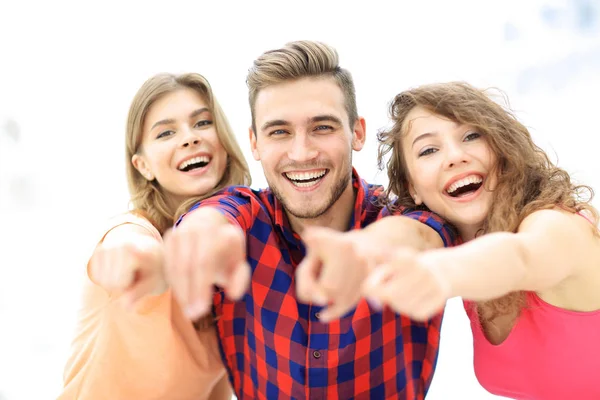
x=194 y=160
x=305 y=179
x=305 y=184
x=304 y=176
x=464 y=182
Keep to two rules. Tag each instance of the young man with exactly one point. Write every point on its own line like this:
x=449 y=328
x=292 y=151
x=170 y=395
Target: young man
x=294 y=256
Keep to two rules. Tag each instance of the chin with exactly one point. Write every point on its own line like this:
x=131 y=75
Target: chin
x=199 y=190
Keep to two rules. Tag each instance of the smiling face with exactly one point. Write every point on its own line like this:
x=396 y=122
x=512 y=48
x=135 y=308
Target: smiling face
x=180 y=147
x=304 y=143
x=451 y=169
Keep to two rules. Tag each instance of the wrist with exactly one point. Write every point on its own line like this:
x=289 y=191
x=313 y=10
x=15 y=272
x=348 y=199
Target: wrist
x=441 y=266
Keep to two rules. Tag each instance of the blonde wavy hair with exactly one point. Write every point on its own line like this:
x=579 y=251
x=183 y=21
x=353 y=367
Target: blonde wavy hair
x=148 y=197
x=527 y=180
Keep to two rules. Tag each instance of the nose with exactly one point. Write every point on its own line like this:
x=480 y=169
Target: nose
x=188 y=138
x=190 y=142
x=455 y=155
x=302 y=149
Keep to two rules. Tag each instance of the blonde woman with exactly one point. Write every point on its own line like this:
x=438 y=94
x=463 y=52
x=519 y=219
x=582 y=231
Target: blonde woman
x=132 y=339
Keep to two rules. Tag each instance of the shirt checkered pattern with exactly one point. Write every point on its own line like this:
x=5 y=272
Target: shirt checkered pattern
x=274 y=347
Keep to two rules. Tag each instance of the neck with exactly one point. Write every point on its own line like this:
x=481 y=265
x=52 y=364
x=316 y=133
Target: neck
x=336 y=217
x=468 y=233
x=173 y=202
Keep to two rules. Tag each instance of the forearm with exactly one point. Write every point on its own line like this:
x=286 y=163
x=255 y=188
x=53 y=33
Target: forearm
x=208 y=216
x=483 y=269
x=397 y=231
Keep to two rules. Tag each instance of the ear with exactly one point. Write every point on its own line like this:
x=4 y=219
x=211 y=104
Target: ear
x=139 y=162
x=359 y=134
x=413 y=193
x=253 y=144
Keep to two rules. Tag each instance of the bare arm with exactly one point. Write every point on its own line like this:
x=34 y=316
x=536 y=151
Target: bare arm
x=222 y=390
x=337 y=263
x=204 y=215
x=549 y=248
x=396 y=231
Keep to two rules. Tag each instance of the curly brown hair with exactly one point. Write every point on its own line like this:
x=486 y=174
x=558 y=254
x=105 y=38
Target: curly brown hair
x=527 y=180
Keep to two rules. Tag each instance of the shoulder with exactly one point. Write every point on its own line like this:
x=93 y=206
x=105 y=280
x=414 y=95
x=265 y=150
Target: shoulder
x=238 y=195
x=239 y=204
x=372 y=191
x=134 y=218
x=558 y=222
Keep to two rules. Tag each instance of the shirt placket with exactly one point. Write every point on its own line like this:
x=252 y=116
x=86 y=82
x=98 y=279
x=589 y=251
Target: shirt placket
x=317 y=356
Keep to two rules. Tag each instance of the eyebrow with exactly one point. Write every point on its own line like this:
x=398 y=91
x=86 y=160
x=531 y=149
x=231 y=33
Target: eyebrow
x=272 y=123
x=198 y=112
x=423 y=136
x=318 y=118
x=168 y=121
x=325 y=118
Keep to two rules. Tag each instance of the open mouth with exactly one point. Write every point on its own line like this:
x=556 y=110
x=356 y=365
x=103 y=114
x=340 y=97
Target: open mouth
x=194 y=163
x=305 y=179
x=465 y=186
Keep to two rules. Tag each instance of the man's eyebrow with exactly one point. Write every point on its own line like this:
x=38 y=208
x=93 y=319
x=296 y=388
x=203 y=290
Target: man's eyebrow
x=325 y=118
x=274 y=122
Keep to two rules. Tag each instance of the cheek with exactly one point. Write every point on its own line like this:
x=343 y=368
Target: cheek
x=219 y=153
x=159 y=158
x=425 y=181
x=335 y=149
x=342 y=145
x=271 y=154
x=487 y=155
x=218 y=149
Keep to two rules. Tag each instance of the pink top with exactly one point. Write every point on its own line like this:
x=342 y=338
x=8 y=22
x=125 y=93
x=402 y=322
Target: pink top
x=551 y=354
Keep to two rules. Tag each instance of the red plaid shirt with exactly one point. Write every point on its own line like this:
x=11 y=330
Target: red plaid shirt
x=274 y=347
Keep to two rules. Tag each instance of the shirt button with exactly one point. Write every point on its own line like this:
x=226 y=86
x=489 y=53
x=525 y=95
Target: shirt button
x=316 y=354
x=318 y=315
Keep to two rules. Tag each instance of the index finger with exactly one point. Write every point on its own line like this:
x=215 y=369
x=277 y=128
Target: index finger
x=307 y=274
x=176 y=267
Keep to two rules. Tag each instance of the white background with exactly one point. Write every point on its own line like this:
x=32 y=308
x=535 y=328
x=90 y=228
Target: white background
x=68 y=71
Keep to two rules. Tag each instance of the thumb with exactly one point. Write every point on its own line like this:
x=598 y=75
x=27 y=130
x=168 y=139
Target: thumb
x=149 y=285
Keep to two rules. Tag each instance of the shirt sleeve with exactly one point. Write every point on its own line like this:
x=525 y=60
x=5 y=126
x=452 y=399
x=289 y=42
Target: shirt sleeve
x=446 y=231
x=240 y=205
x=432 y=348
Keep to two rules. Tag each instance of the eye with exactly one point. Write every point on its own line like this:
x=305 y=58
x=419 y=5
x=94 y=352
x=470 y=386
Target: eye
x=278 y=132
x=324 y=128
x=472 y=136
x=202 y=123
x=427 y=152
x=165 y=134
